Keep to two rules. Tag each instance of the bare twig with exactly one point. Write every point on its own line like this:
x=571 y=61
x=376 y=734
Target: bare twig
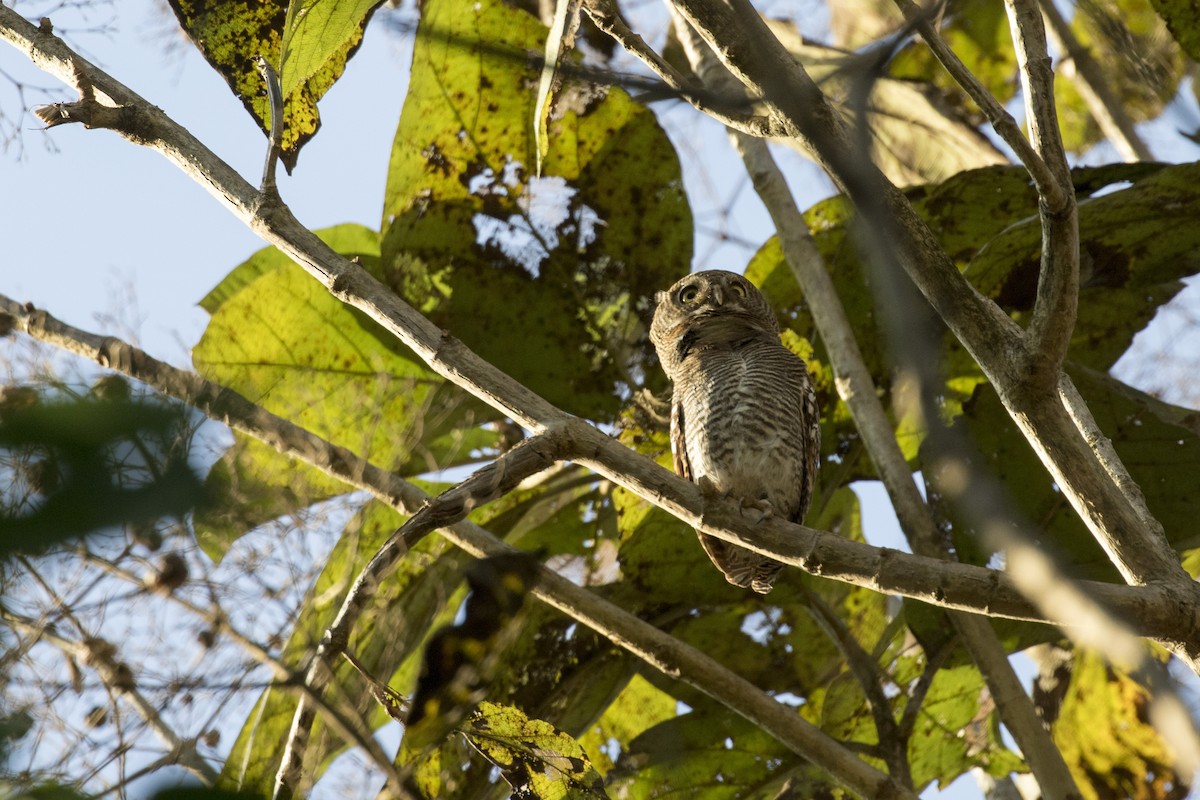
x=102 y=656
x=1057 y=301
x=345 y=725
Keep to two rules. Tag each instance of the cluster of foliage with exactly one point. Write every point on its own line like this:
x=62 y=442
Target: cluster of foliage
x=551 y=278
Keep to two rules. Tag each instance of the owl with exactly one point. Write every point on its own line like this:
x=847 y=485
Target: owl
x=744 y=419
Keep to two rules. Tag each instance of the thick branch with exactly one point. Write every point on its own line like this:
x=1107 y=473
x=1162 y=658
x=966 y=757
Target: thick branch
x=1152 y=611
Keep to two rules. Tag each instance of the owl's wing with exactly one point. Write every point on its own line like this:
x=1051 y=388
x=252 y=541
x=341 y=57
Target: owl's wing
x=811 y=419
x=683 y=467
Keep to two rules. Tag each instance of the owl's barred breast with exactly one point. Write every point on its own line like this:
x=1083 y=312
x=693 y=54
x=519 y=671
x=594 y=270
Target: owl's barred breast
x=744 y=421
x=744 y=418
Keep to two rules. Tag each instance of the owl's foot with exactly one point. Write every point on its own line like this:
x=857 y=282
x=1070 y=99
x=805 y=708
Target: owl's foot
x=758 y=510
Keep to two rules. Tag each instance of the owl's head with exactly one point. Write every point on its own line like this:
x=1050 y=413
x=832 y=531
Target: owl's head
x=708 y=309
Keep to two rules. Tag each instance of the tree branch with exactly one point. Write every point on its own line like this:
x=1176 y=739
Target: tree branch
x=1002 y=122
x=1056 y=305
x=497 y=478
x=345 y=725
x=1151 y=610
x=661 y=651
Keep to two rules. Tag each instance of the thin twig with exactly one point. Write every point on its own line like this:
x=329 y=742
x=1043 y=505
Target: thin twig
x=102 y=656
x=1057 y=302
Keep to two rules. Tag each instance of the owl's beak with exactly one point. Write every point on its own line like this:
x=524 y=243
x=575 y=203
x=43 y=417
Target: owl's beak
x=718 y=295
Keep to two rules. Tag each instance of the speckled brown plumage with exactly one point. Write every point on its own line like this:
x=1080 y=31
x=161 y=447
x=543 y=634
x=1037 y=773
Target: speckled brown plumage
x=744 y=419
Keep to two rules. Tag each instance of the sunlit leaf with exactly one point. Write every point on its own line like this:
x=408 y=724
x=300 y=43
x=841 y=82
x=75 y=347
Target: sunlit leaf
x=957 y=729
x=712 y=754
x=320 y=36
x=1107 y=739
x=536 y=759
x=279 y=338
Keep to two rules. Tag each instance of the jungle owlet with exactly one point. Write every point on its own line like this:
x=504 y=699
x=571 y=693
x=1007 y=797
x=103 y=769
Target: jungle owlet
x=744 y=419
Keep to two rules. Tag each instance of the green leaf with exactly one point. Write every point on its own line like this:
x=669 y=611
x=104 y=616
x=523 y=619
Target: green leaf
x=549 y=279
x=536 y=759
x=231 y=34
x=977 y=31
x=350 y=240
x=639 y=707
x=75 y=467
x=915 y=138
x=319 y=36
x=1135 y=246
x=387 y=640
x=280 y=339
x=1183 y=23
x=1138 y=61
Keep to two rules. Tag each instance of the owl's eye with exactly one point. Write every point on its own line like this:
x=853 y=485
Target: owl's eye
x=738 y=289
x=688 y=293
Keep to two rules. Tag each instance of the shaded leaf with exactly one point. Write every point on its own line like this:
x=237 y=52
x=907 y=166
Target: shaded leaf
x=1139 y=62
x=638 y=707
x=1158 y=443
x=977 y=31
x=549 y=278
x=76 y=467
x=1182 y=22
x=455 y=666
x=914 y=138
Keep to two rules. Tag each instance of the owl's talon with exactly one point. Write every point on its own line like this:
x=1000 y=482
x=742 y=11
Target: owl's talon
x=709 y=489
x=761 y=509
